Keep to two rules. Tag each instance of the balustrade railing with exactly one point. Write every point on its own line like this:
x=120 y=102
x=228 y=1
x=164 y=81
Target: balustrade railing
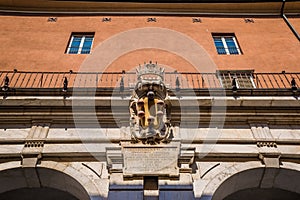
x=185 y=80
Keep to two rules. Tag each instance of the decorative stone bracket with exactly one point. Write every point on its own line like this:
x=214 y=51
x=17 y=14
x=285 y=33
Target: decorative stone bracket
x=186 y=159
x=34 y=144
x=31 y=153
x=271 y=160
x=114 y=160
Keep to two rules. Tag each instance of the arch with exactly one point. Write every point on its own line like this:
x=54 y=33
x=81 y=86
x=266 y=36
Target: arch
x=252 y=175
x=263 y=193
x=52 y=175
x=44 y=193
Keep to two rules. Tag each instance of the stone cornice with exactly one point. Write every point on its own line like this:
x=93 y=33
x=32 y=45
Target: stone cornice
x=111 y=111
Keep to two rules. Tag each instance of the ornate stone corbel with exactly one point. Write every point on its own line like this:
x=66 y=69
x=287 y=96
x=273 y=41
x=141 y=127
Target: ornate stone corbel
x=34 y=144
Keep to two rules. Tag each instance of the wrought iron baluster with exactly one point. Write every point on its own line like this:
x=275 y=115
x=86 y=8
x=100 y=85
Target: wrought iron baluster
x=97 y=74
x=111 y=79
x=266 y=84
x=19 y=74
x=192 y=77
x=202 y=81
x=186 y=79
x=28 y=80
x=57 y=78
x=298 y=79
x=171 y=80
x=34 y=79
x=276 y=81
x=41 y=80
x=282 y=81
x=198 y=81
x=258 y=78
x=62 y=79
x=3 y=80
x=46 y=78
x=23 y=79
x=51 y=80
x=288 y=81
x=215 y=80
x=12 y=78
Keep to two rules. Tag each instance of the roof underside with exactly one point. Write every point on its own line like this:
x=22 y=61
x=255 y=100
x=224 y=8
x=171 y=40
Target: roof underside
x=181 y=1
x=230 y=7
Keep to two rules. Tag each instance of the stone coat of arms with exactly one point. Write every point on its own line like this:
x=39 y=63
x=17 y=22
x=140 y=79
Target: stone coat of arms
x=149 y=106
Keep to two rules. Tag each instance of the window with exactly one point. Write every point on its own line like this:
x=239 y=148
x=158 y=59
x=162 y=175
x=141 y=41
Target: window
x=243 y=78
x=80 y=43
x=226 y=44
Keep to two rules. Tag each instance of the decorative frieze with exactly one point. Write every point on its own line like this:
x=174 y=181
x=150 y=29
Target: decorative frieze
x=266 y=144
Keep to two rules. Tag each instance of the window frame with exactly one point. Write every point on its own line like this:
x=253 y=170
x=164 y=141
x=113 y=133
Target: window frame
x=83 y=36
x=222 y=37
x=242 y=77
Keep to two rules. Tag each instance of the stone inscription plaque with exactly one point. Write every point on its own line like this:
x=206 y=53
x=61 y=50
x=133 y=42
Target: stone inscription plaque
x=139 y=161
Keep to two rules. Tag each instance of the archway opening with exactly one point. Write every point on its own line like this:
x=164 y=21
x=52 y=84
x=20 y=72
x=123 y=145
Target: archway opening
x=265 y=194
x=36 y=194
x=39 y=183
x=260 y=183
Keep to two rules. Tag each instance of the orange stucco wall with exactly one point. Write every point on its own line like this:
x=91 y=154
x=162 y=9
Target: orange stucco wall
x=30 y=43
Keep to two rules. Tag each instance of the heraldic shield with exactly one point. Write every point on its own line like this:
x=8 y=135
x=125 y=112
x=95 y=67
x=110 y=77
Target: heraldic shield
x=149 y=106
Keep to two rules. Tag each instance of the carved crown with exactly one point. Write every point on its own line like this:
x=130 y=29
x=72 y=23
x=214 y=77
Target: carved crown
x=150 y=70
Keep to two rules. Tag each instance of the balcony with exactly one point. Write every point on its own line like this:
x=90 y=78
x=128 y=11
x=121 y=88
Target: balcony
x=52 y=83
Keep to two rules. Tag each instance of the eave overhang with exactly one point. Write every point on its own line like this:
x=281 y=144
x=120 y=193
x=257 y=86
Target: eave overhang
x=147 y=7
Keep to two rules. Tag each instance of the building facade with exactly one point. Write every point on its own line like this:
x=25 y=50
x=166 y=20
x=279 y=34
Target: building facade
x=149 y=100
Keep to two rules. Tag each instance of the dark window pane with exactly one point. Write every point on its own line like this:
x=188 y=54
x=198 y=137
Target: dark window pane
x=219 y=45
x=87 y=43
x=76 y=41
x=85 y=50
x=221 y=50
x=73 y=50
x=218 y=41
x=233 y=50
x=230 y=42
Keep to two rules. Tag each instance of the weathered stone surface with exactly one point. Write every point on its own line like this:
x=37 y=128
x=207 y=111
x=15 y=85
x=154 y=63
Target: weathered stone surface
x=150 y=160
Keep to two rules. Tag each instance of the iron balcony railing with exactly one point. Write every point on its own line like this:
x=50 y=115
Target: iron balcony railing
x=173 y=80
